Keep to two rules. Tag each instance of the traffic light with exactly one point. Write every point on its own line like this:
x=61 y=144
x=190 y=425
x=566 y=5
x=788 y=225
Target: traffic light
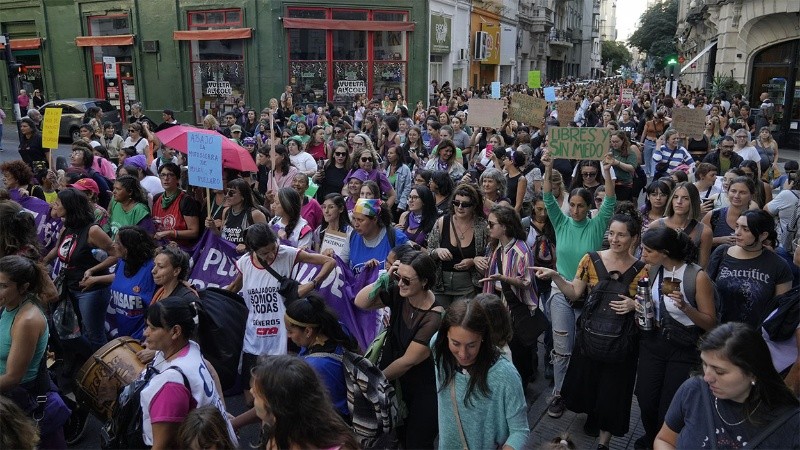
x=671 y=60
x=16 y=68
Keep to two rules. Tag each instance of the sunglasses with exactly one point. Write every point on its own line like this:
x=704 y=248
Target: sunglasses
x=366 y=159
x=465 y=205
x=588 y=174
x=339 y=154
x=403 y=280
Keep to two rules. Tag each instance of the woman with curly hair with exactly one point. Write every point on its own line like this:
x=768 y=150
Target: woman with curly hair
x=288 y=224
x=17 y=231
x=129 y=206
x=444 y=157
x=170 y=269
x=277 y=384
x=365 y=157
x=18 y=175
x=132 y=285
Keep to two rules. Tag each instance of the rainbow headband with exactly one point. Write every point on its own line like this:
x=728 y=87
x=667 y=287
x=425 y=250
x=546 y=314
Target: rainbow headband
x=368 y=206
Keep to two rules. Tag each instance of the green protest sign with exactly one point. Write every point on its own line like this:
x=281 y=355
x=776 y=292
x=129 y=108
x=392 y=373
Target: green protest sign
x=579 y=143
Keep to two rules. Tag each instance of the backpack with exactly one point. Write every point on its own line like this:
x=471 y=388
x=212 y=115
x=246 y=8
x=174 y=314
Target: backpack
x=605 y=335
x=790 y=233
x=370 y=399
x=125 y=429
x=223 y=318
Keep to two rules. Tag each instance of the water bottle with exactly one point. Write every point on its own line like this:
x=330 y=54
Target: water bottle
x=99 y=254
x=644 y=309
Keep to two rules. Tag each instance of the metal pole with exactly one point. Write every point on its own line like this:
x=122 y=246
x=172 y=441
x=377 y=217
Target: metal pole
x=13 y=81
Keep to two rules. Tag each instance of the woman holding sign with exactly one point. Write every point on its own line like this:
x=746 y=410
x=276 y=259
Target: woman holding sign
x=576 y=234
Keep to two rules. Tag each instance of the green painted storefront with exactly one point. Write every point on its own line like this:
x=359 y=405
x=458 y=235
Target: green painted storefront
x=199 y=57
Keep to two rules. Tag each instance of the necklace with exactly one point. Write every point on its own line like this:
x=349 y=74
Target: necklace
x=459 y=232
x=716 y=406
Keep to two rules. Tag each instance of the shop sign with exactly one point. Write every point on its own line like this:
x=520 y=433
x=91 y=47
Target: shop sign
x=440 y=34
x=218 y=88
x=109 y=67
x=351 y=87
x=307 y=75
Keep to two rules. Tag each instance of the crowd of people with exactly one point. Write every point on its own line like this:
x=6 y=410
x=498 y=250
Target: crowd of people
x=477 y=245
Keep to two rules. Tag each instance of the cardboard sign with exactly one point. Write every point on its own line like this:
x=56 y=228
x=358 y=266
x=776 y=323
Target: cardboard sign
x=485 y=113
x=646 y=87
x=205 y=160
x=495 y=89
x=527 y=109
x=566 y=111
x=336 y=241
x=689 y=121
x=50 y=126
x=626 y=96
x=579 y=143
x=534 y=79
x=550 y=94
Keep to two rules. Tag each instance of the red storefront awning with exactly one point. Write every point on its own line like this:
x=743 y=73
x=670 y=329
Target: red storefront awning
x=212 y=35
x=102 y=41
x=355 y=25
x=24 y=44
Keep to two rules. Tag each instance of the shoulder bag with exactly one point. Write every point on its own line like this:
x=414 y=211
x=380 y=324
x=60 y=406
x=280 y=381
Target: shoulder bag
x=527 y=324
x=288 y=288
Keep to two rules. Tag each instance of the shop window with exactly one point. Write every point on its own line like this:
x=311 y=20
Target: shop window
x=298 y=13
x=350 y=80
x=309 y=80
x=117 y=86
x=349 y=45
x=218 y=68
x=349 y=15
x=307 y=45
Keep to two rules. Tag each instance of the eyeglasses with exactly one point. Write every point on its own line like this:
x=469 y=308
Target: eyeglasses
x=588 y=174
x=167 y=175
x=339 y=154
x=359 y=143
x=231 y=192
x=413 y=197
x=366 y=159
x=464 y=205
x=403 y=280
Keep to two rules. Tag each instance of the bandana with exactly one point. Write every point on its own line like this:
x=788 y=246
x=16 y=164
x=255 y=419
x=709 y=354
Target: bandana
x=370 y=207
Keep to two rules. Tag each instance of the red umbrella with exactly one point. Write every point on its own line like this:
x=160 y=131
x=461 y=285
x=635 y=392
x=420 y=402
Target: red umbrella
x=234 y=156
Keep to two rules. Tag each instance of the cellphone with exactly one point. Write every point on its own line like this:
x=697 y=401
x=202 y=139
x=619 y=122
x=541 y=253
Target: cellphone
x=489 y=150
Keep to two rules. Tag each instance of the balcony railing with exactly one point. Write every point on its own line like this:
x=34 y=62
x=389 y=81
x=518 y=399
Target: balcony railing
x=560 y=37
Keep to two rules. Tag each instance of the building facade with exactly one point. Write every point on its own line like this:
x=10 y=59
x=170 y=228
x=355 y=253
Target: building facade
x=755 y=42
x=201 y=57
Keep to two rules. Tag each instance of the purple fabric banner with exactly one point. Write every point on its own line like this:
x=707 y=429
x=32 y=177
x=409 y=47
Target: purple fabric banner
x=46 y=227
x=213 y=264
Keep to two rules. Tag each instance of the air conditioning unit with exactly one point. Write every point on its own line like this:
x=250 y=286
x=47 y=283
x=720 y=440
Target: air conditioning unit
x=463 y=54
x=480 y=45
x=150 y=46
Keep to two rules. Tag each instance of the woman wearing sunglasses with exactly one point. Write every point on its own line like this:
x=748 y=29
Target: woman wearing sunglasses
x=587 y=175
x=175 y=213
x=240 y=212
x=444 y=158
x=457 y=243
x=415 y=316
x=366 y=158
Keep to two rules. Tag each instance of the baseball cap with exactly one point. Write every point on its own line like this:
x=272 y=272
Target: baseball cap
x=138 y=161
x=236 y=129
x=248 y=141
x=86 y=184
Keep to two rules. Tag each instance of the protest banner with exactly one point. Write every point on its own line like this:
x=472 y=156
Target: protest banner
x=495 y=89
x=550 y=94
x=527 y=109
x=205 y=160
x=566 y=111
x=334 y=240
x=689 y=121
x=626 y=96
x=579 y=143
x=534 y=79
x=485 y=113
x=50 y=127
x=46 y=227
x=214 y=265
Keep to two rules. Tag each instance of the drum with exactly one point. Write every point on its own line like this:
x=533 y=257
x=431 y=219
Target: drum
x=111 y=368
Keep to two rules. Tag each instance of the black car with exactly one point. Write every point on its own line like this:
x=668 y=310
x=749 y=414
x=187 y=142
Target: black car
x=73 y=110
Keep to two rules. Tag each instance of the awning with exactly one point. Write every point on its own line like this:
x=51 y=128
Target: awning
x=355 y=25
x=693 y=60
x=104 y=41
x=24 y=44
x=212 y=35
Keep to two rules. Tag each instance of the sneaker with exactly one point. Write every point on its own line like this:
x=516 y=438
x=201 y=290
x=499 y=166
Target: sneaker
x=76 y=425
x=556 y=407
x=602 y=447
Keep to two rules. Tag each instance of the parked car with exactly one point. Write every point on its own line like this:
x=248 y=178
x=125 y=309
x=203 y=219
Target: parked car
x=73 y=110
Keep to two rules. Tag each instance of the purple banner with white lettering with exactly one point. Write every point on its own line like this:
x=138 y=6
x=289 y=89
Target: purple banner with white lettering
x=46 y=227
x=214 y=265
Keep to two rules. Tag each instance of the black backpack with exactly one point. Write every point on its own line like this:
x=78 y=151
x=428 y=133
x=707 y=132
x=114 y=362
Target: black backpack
x=124 y=429
x=605 y=335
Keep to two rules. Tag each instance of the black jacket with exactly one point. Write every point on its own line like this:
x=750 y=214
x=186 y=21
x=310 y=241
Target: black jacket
x=713 y=158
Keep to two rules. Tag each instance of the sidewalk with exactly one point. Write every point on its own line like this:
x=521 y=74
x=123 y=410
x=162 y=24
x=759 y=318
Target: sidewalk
x=544 y=428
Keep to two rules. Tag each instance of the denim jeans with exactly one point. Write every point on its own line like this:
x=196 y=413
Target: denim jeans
x=563 y=317
x=647 y=157
x=92 y=306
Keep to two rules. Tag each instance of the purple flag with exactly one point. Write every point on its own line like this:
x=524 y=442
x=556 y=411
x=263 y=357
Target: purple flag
x=46 y=226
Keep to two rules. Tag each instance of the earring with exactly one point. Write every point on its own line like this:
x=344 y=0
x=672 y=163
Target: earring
x=753 y=383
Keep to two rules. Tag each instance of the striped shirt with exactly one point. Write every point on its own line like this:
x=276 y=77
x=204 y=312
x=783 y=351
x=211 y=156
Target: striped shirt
x=681 y=156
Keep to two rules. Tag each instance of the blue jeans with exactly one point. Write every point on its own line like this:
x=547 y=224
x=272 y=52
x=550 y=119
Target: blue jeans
x=92 y=306
x=647 y=157
x=563 y=317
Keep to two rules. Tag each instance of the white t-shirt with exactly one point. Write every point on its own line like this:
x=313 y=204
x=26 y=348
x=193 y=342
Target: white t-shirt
x=152 y=184
x=203 y=389
x=749 y=153
x=265 y=332
x=140 y=145
x=784 y=205
x=304 y=162
x=302 y=235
